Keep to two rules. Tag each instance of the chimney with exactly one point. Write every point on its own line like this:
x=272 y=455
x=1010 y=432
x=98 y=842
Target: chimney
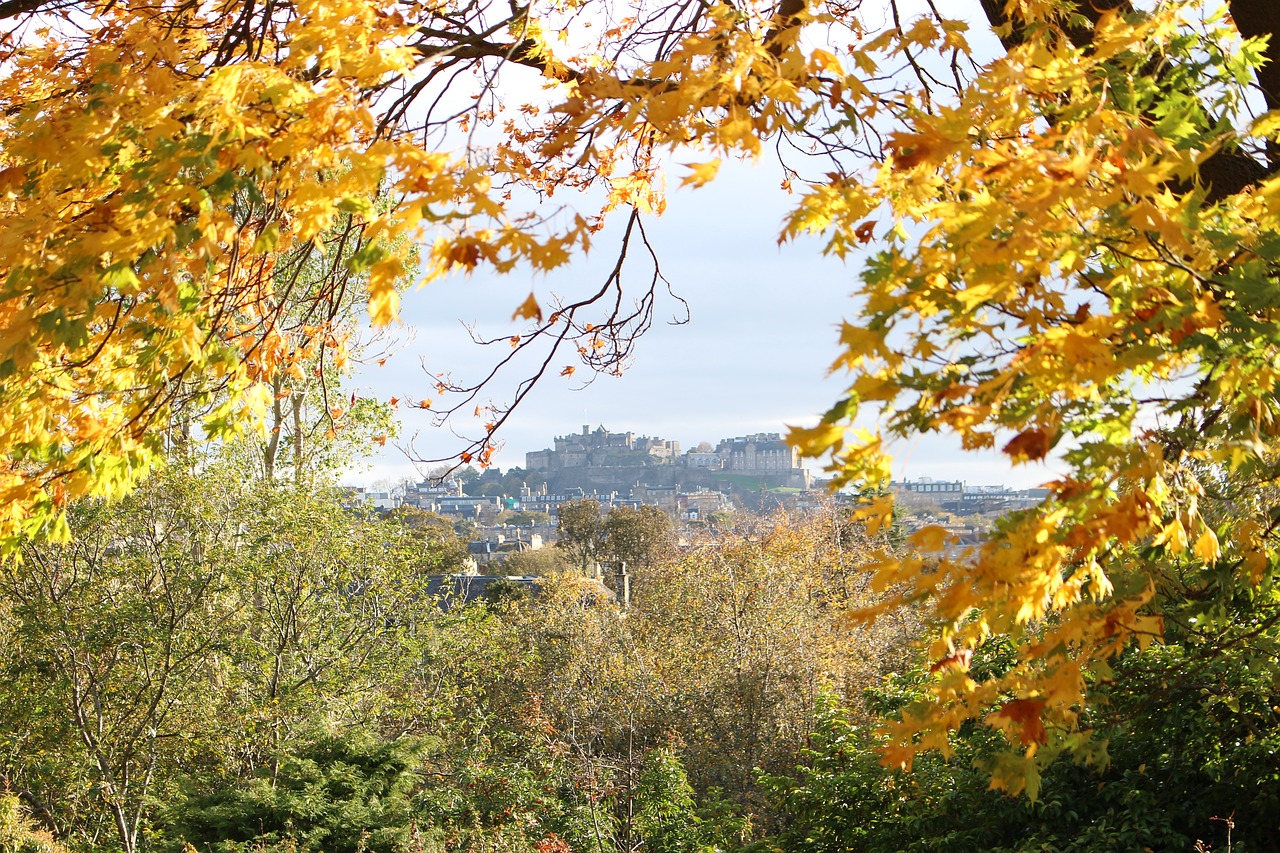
x=624 y=585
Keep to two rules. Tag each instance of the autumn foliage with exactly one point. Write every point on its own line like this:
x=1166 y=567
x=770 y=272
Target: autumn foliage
x=1074 y=257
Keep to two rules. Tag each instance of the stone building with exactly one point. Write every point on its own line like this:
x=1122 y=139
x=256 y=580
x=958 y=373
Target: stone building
x=762 y=453
x=600 y=448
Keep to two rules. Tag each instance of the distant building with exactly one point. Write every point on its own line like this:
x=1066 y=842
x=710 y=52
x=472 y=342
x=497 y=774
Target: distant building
x=541 y=500
x=426 y=494
x=466 y=506
x=697 y=506
x=941 y=489
x=706 y=460
x=496 y=545
x=764 y=453
x=600 y=448
x=462 y=589
x=958 y=496
x=375 y=499
x=665 y=498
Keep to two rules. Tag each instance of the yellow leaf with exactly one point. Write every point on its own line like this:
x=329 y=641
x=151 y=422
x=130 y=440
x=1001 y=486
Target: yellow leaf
x=931 y=538
x=701 y=173
x=815 y=441
x=384 y=301
x=1173 y=537
x=877 y=514
x=1207 y=547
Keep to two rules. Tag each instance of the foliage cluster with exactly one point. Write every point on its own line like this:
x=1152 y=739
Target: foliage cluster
x=1180 y=764
x=1078 y=257
x=635 y=537
x=240 y=664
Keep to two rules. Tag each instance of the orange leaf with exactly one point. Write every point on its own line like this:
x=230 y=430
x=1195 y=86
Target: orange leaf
x=956 y=660
x=1030 y=445
x=528 y=310
x=568 y=371
x=1026 y=714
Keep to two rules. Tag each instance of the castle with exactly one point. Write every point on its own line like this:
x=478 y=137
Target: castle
x=601 y=453
x=603 y=449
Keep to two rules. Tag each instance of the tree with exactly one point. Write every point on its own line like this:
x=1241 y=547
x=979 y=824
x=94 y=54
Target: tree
x=551 y=560
x=1190 y=742
x=339 y=793
x=1077 y=252
x=438 y=546
x=17 y=832
x=1081 y=257
x=637 y=536
x=110 y=646
x=579 y=533
x=747 y=631
x=199 y=627
x=526 y=518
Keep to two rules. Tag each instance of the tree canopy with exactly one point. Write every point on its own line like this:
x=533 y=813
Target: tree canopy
x=1074 y=253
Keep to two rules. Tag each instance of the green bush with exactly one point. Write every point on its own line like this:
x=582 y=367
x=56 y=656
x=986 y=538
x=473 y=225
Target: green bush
x=339 y=794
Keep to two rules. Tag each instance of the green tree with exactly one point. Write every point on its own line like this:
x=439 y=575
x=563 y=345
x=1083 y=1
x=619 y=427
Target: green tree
x=666 y=815
x=638 y=537
x=526 y=518
x=337 y=794
x=111 y=652
x=551 y=560
x=580 y=533
x=434 y=540
x=1191 y=739
x=201 y=625
x=17 y=832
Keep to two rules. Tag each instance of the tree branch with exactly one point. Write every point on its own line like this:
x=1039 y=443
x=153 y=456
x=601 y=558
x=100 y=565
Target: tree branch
x=1226 y=172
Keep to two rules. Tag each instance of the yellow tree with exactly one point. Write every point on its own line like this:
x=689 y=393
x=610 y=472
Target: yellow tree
x=1079 y=260
x=1075 y=240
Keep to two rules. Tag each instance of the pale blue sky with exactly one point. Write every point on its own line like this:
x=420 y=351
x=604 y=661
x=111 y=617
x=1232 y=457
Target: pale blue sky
x=752 y=358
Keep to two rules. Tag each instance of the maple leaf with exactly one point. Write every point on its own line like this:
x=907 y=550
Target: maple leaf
x=958 y=659
x=1025 y=715
x=1030 y=445
x=528 y=310
x=701 y=174
x=1207 y=547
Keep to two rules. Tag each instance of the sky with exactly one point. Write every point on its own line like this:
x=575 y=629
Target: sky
x=752 y=358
